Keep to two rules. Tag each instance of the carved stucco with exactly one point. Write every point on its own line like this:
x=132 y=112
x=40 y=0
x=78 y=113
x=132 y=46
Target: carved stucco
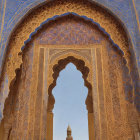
x=70 y=52
x=60 y=63
x=57 y=56
x=39 y=15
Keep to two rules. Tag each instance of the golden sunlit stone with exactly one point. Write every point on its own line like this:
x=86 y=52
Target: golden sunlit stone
x=32 y=72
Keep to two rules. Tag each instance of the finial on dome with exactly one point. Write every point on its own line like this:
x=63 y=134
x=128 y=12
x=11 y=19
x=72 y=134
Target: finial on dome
x=68 y=129
x=69 y=137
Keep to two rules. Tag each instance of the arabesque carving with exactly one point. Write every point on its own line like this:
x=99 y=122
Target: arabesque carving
x=58 y=58
x=59 y=64
x=54 y=58
x=50 y=9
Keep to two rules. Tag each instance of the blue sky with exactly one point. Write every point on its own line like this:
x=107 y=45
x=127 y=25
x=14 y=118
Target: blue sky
x=70 y=94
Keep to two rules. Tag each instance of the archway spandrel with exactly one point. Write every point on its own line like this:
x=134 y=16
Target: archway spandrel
x=34 y=20
x=64 y=56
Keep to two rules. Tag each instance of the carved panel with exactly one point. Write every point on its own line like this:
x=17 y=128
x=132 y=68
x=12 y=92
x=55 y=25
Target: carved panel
x=55 y=45
x=56 y=54
x=39 y=15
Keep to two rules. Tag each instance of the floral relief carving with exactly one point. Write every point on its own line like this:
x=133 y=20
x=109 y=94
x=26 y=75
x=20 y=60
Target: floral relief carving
x=49 y=10
x=63 y=56
x=57 y=58
x=39 y=15
x=60 y=64
x=86 y=53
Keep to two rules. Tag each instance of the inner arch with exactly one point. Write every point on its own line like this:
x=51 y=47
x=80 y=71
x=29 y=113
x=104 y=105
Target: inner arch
x=80 y=65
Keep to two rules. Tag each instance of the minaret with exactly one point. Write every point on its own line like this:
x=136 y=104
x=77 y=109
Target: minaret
x=69 y=137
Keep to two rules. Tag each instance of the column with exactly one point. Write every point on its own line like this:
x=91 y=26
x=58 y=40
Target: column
x=49 y=126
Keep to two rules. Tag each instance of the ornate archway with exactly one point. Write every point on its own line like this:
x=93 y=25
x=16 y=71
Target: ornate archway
x=80 y=64
x=88 y=33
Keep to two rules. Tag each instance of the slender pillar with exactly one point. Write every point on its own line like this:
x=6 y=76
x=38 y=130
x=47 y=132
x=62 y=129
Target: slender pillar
x=91 y=126
x=69 y=137
x=49 y=126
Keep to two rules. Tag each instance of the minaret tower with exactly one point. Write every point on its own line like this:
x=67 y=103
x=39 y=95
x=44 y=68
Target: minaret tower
x=69 y=137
